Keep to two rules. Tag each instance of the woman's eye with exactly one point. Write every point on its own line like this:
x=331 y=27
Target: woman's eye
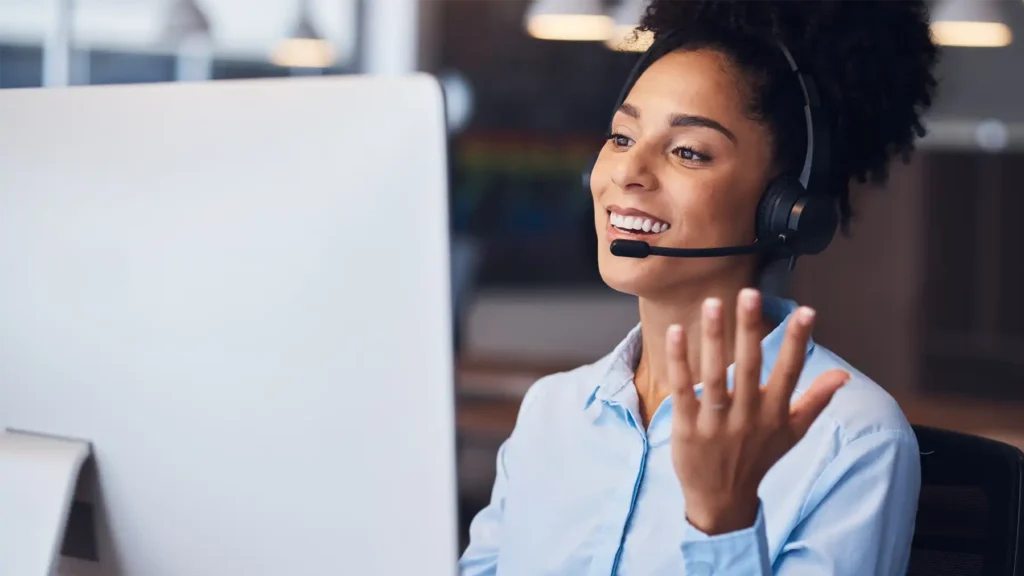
x=690 y=154
x=620 y=141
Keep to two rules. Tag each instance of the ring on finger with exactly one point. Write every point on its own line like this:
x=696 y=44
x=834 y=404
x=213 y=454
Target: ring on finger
x=718 y=406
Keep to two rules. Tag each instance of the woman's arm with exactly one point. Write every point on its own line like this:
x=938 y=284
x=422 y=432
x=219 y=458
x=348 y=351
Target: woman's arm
x=858 y=519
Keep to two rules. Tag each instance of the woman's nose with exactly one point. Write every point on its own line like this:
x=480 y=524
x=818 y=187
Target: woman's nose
x=633 y=171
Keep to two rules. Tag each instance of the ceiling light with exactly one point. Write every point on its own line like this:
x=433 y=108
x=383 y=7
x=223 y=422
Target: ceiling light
x=970 y=23
x=580 y=20
x=305 y=48
x=625 y=37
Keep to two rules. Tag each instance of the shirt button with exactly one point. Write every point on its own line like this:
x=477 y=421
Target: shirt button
x=701 y=569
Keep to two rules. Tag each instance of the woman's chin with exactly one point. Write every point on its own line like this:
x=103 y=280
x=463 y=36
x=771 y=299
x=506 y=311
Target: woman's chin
x=655 y=276
x=630 y=276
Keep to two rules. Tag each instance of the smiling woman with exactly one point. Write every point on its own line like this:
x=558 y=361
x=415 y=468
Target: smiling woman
x=677 y=153
x=718 y=437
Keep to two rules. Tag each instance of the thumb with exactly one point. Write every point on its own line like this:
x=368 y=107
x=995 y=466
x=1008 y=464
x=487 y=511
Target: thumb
x=811 y=404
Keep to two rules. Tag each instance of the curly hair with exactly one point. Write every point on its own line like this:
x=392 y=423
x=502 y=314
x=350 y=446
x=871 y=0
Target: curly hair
x=872 y=61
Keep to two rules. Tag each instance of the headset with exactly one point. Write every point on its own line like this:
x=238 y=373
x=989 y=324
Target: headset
x=795 y=216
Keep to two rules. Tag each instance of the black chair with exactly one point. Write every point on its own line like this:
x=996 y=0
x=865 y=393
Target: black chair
x=969 y=517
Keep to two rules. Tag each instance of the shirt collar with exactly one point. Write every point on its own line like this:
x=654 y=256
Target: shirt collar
x=619 y=365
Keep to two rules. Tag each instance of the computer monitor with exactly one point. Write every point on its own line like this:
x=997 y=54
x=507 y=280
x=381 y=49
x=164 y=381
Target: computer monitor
x=237 y=295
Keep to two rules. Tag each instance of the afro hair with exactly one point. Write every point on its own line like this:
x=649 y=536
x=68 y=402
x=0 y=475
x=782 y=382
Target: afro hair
x=872 y=61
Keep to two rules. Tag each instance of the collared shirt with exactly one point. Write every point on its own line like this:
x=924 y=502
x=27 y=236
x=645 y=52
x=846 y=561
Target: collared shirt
x=583 y=489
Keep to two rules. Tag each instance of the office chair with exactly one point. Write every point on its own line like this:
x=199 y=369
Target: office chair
x=969 y=518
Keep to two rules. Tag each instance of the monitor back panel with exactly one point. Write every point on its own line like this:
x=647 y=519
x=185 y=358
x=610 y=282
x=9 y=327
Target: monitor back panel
x=238 y=292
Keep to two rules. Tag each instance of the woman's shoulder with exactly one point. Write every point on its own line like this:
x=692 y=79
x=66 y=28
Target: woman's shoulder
x=862 y=406
x=574 y=387
x=558 y=396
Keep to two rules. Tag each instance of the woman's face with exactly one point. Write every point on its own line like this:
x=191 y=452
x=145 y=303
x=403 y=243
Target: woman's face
x=685 y=168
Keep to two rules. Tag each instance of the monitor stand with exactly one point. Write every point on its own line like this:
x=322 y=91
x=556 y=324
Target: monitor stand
x=38 y=475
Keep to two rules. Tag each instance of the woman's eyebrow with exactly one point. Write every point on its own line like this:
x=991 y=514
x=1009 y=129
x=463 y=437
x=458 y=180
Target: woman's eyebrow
x=683 y=120
x=701 y=121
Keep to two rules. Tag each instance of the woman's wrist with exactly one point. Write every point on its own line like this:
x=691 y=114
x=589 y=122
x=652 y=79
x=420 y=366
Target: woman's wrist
x=730 y=515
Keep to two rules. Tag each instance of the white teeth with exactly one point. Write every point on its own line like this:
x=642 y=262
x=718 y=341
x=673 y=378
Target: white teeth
x=637 y=223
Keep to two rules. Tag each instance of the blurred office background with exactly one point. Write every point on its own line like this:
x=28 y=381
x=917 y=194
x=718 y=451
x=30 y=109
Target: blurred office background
x=926 y=296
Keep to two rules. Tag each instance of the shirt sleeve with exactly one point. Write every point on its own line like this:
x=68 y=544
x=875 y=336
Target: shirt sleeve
x=858 y=519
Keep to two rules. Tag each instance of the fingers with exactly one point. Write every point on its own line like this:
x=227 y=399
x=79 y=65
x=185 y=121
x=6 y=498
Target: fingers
x=683 y=399
x=815 y=400
x=789 y=363
x=715 y=396
x=747 y=387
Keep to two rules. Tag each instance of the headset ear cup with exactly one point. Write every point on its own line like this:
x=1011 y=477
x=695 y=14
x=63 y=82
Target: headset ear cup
x=815 y=218
x=774 y=208
x=808 y=222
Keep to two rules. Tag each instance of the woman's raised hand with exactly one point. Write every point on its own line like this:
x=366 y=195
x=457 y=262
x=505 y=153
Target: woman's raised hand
x=725 y=442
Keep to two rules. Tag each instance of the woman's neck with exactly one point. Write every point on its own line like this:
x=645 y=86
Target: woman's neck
x=684 y=309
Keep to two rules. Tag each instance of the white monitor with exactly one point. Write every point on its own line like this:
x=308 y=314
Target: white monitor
x=237 y=294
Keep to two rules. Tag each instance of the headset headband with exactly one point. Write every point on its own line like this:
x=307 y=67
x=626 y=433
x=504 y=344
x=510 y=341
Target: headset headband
x=816 y=159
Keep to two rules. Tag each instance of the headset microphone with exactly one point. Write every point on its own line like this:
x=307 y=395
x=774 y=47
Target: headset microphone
x=641 y=249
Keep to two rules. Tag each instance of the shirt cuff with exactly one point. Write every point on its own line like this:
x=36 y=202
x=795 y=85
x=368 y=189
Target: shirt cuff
x=740 y=553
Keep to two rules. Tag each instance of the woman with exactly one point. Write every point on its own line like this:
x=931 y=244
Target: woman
x=718 y=438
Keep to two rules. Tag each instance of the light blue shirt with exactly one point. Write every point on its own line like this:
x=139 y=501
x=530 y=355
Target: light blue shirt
x=582 y=489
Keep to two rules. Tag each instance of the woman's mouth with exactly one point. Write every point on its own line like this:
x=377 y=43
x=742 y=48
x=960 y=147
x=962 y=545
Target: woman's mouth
x=637 y=223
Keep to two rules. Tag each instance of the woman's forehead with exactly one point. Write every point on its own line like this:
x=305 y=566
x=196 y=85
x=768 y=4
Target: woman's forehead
x=696 y=82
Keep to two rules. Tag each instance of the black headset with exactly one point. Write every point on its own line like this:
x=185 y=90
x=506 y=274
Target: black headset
x=795 y=216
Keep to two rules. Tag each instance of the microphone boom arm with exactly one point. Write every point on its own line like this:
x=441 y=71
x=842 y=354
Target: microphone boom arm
x=640 y=249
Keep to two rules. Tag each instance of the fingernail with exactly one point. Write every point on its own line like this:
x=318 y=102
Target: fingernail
x=749 y=299
x=675 y=333
x=805 y=316
x=712 y=308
